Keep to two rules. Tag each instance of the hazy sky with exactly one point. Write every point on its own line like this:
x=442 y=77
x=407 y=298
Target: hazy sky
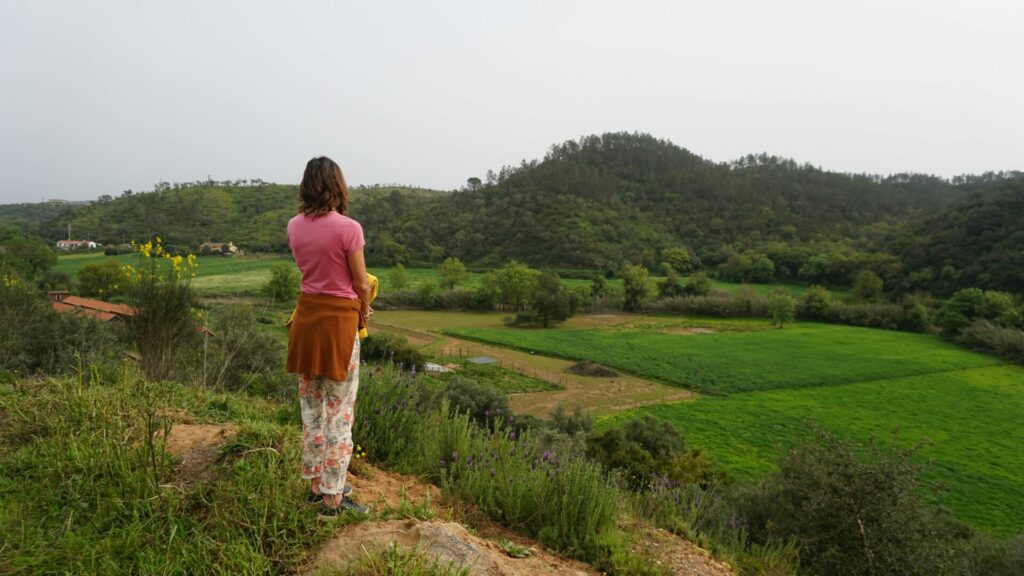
x=100 y=96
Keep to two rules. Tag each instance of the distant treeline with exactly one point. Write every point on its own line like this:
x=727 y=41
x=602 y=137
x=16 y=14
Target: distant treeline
x=605 y=201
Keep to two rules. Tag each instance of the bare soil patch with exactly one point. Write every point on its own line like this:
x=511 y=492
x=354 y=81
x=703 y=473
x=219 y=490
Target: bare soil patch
x=198 y=446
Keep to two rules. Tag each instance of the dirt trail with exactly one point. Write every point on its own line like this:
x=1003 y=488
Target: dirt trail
x=408 y=512
x=594 y=394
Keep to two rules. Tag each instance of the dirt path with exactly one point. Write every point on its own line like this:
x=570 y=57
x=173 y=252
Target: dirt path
x=595 y=395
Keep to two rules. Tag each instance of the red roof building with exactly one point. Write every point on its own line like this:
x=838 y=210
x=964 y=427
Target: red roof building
x=95 y=308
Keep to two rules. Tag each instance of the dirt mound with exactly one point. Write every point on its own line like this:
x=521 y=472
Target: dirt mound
x=445 y=541
x=198 y=446
x=587 y=368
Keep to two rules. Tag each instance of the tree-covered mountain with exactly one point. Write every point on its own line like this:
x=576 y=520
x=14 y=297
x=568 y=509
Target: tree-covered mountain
x=603 y=200
x=977 y=242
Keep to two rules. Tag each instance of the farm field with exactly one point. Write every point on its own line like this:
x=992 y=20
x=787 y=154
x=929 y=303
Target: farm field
x=595 y=395
x=802 y=355
x=971 y=417
x=855 y=382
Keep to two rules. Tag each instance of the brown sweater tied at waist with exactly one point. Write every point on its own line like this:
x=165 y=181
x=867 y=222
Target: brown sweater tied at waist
x=322 y=335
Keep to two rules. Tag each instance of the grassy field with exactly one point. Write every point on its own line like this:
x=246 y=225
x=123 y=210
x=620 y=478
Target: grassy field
x=971 y=417
x=801 y=355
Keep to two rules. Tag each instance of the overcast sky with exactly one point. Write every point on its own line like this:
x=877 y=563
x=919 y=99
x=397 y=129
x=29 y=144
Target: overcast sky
x=100 y=96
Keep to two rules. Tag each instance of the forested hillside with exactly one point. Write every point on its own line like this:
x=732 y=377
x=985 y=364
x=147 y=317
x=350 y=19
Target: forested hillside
x=976 y=242
x=617 y=197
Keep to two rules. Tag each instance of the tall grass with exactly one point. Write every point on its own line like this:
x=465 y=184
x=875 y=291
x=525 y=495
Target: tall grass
x=564 y=500
x=86 y=486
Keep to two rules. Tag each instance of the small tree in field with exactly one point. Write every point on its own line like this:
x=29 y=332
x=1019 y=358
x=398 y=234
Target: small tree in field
x=781 y=308
x=284 y=282
x=398 y=280
x=551 y=303
x=636 y=286
x=453 y=272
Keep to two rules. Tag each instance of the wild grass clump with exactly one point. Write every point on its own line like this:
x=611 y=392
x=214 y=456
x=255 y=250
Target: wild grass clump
x=562 y=499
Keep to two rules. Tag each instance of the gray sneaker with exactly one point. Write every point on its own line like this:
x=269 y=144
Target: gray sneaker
x=347 y=505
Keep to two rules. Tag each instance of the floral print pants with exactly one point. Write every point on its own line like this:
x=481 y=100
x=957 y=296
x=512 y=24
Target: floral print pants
x=327 y=416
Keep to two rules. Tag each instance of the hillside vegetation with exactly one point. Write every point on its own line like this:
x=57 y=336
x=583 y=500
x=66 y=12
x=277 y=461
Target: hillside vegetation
x=978 y=241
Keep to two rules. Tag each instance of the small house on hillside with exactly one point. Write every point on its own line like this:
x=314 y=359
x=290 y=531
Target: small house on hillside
x=224 y=248
x=75 y=244
x=105 y=311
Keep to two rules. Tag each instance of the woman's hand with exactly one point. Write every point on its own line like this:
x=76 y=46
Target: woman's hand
x=366 y=312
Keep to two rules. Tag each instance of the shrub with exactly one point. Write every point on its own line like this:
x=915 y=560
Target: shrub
x=283 y=284
x=240 y=354
x=1006 y=342
x=397 y=300
x=647 y=451
x=551 y=303
x=54 y=280
x=483 y=404
x=165 y=328
x=104 y=279
x=579 y=299
x=887 y=316
x=427 y=296
x=854 y=509
x=397 y=280
x=453 y=272
x=725 y=306
x=391 y=348
x=781 y=308
x=698 y=285
x=457 y=299
x=570 y=424
x=815 y=301
x=49 y=342
x=635 y=281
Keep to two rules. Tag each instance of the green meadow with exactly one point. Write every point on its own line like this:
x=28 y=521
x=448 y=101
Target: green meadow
x=970 y=418
x=802 y=355
x=763 y=388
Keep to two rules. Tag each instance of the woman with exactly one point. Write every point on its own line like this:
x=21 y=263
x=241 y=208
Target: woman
x=323 y=345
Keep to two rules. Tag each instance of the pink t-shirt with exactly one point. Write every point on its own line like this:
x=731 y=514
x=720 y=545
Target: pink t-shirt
x=321 y=247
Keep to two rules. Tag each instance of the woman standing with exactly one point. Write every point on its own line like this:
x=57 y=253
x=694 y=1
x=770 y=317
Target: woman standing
x=323 y=345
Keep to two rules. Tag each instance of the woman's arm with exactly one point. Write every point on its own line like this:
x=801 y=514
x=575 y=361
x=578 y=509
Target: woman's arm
x=357 y=266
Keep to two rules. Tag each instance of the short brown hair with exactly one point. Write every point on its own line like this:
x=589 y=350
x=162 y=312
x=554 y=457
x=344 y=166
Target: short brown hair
x=323 y=188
